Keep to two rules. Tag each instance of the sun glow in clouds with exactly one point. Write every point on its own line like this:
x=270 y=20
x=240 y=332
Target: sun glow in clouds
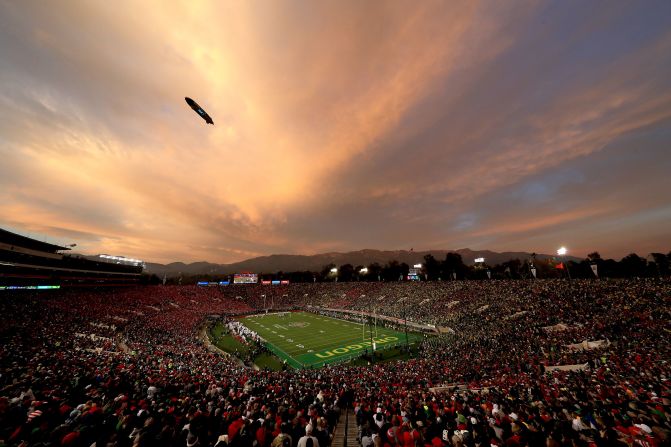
x=338 y=126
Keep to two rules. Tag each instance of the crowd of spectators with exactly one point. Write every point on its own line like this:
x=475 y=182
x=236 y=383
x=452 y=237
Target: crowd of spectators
x=546 y=362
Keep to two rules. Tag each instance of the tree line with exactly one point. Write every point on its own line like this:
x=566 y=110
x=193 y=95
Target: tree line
x=630 y=266
x=453 y=267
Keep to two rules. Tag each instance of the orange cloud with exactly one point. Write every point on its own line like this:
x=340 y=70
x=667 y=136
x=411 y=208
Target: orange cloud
x=317 y=106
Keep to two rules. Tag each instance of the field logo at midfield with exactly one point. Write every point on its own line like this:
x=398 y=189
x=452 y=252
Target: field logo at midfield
x=355 y=347
x=298 y=324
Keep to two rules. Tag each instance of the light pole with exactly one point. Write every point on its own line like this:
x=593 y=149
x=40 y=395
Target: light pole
x=372 y=341
x=562 y=252
x=479 y=264
x=417 y=270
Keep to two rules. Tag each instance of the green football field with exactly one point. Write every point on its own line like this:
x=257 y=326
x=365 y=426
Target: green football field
x=305 y=340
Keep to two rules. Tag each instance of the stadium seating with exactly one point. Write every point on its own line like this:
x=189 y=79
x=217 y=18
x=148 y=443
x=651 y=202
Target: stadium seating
x=546 y=362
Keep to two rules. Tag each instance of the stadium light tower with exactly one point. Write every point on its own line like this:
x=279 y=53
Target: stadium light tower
x=561 y=251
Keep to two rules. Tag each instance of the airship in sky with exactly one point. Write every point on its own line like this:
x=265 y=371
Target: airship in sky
x=199 y=110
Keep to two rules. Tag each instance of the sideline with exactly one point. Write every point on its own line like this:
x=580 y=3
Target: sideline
x=204 y=336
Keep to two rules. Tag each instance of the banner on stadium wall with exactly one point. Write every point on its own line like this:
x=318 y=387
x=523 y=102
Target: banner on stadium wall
x=588 y=345
x=533 y=271
x=595 y=270
x=29 y=287
x=578 y=367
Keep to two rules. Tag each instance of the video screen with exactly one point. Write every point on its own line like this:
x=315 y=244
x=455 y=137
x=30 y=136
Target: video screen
x=245 y=278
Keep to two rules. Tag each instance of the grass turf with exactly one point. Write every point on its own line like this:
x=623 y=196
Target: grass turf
x=268 y=361
x=226 y=342
x=230 y=344
x=308 y=340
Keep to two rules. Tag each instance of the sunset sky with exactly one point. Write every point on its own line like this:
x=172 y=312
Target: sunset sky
x=339 y=125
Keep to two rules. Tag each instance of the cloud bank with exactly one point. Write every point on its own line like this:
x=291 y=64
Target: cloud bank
x=339 y=126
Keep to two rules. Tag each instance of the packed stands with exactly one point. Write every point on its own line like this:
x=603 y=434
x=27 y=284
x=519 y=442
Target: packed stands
x=30 y=263
x=546 y=362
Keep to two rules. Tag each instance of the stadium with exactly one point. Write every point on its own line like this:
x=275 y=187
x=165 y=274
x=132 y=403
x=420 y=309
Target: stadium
x=318 y=223
x=99 y=358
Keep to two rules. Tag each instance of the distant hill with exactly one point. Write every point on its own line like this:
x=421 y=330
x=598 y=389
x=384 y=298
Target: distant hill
x=293 y=263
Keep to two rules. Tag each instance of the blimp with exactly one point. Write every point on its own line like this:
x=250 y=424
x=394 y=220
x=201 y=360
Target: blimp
x=199 y=110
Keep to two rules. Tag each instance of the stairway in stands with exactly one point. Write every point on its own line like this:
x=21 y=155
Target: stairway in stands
x=345 y=433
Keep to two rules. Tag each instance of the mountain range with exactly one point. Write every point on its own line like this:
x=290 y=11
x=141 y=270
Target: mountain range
x=294 y=263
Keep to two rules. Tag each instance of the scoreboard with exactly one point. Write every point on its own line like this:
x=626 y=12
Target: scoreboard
x=245 y=278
